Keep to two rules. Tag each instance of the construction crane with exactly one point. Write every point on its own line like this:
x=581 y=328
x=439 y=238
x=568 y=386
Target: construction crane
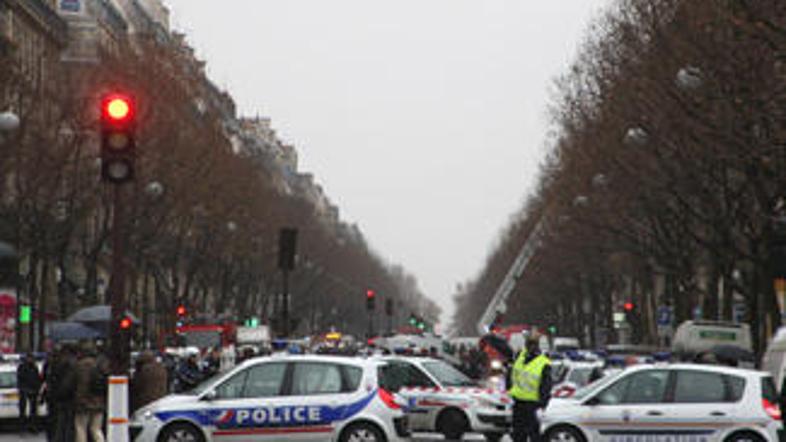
x=498 y=303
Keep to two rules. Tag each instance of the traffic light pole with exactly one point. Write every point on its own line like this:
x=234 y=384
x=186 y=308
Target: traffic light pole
x=285 y=303
x=119 y=345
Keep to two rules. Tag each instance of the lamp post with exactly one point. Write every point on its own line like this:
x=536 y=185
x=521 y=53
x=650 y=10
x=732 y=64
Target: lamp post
x=155 y=190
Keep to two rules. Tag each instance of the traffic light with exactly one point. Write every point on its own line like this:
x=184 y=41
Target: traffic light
x=632 y=318
x=371 y=298
x=181 y=310
x=118 y=143
x=552 y=329
x=125 y=323
x=25 y=314
x=413 y=320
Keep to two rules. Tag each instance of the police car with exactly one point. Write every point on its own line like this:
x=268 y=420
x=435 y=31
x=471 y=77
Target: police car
x=442 y=399
x=304 y=398
x=9 y=393
x=674 y=403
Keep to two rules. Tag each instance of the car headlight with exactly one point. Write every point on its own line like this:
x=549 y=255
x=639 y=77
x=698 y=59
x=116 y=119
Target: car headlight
x=143 y=415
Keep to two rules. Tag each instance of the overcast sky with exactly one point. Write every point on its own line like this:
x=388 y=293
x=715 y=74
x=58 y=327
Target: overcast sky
x=424 y=120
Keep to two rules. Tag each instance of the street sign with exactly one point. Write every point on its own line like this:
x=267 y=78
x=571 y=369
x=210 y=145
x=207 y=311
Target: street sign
x=665 y=315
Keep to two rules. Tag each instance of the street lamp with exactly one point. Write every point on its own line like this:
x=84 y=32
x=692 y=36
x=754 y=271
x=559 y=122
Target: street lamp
x=154 y=189
x=636 y=137
x=581 y=201
x=9 y=123
x=599 y=180
x=689 y=78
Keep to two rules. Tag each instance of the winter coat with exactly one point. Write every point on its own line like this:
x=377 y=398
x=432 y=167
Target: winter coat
x=28 y=378
x=85 y=399
x=150 y=383
x=61 y=382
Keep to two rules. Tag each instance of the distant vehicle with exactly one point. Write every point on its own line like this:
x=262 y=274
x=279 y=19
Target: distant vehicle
x=253 y=336
x=9 y=394
x=570 y=376
x=679 y=402
x=563 y=343
x=774 y=359
x=304 y=398
x=206 y=335
x=696 y=337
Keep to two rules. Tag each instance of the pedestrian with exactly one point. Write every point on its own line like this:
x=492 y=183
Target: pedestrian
x=530 y=389
x=188 y=374
x=28 y=382
x=60 y=389
x=150 y=381
x=90 y=395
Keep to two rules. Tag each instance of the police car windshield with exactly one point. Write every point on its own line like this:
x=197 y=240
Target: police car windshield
x=447 y=375
x=585 y=391
x=204 y=385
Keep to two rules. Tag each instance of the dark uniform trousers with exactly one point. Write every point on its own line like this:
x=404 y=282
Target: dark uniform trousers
x=525 y=421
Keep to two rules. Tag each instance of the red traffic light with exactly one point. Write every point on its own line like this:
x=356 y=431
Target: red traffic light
x=370 y=294
x=125 y=323
x=628 y=306
x=117 y=109
x=181 y=310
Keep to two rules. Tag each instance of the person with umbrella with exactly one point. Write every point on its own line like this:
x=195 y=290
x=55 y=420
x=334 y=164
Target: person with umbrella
x=530 y=389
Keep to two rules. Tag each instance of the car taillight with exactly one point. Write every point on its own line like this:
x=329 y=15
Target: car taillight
x=388 y=399
x=773 y=410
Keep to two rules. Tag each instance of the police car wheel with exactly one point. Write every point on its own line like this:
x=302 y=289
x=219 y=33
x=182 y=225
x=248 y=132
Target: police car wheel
x=452 y=424
x=746 y=436
x=564 y=434
x=362 y=432
x=180 y=432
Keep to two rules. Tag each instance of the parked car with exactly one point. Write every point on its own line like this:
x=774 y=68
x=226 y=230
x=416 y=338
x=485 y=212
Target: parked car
x=306 y=398
x=441 y=399
x=681 y=401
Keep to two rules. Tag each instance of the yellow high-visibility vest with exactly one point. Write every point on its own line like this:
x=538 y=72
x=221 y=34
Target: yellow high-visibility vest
x=526 y=378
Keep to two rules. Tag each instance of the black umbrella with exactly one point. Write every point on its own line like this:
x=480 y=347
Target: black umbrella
x=72 y=331
x=499 y=344
x=731 y=353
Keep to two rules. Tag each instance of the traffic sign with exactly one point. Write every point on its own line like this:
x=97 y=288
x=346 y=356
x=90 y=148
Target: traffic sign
x=665 y=315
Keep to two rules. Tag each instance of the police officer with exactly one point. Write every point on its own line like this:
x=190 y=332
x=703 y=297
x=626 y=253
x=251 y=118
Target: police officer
x=530 y=388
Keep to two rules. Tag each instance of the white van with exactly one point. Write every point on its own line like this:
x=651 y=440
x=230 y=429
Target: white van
x=774 y=359
x=694 y=337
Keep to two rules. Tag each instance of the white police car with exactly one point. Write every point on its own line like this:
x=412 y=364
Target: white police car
x=442 y=399
x=304 y=398
x=674 y=403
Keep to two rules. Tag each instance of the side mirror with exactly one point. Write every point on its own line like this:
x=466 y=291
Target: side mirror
x=209 y=396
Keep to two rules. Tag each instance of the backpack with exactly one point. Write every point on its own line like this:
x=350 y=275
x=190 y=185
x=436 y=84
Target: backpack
x=97 y=385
